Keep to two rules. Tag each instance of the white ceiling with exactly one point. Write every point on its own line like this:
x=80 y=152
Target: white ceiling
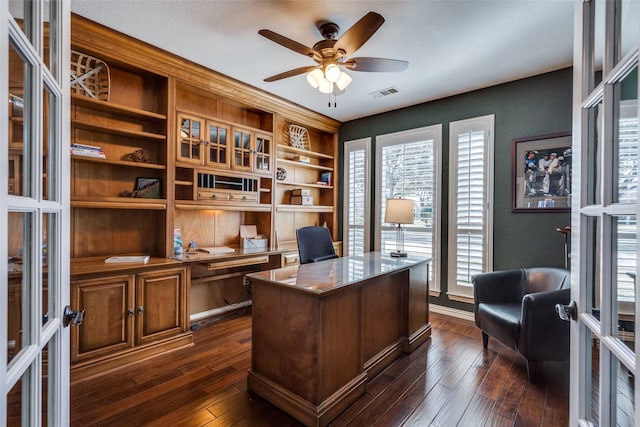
x=453 y=46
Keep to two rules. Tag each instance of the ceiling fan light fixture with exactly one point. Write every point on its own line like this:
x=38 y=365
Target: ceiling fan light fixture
x=332 y=72
x=315 y=78
x=325 y=86
x=343 y=81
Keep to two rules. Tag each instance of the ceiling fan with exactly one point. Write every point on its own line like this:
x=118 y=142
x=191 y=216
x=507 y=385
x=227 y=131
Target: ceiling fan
x=332 y=54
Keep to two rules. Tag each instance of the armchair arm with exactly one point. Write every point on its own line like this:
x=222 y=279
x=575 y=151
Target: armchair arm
x=544 y=336
x=498 y=287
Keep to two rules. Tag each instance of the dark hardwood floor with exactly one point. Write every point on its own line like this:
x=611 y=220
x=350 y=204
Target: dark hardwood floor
x=448 y=381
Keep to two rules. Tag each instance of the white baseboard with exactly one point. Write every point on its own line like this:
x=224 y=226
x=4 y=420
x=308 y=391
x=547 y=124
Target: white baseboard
x=453 y=312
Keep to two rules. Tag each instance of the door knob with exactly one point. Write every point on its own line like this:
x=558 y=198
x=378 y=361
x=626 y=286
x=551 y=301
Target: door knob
x=72 y=317
x=567 y=312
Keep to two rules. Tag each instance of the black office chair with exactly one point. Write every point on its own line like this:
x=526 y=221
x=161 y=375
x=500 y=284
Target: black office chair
x=517 y=307
x=315 y=244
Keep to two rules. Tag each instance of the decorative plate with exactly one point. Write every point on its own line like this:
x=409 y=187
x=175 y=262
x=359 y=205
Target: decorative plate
x=281 y=174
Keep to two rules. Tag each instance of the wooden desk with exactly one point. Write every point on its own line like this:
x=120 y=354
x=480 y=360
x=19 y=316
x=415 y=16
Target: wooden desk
x=320 y=331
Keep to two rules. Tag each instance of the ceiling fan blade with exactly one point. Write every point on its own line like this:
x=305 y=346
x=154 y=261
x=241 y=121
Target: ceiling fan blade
x=375 y=64
x=290 y=73
x=290 y=44
x=359 y=33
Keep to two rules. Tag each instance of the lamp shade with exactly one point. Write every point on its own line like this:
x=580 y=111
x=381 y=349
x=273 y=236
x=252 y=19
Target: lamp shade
x=332 y=73
x=399 y=211
x=343 y=81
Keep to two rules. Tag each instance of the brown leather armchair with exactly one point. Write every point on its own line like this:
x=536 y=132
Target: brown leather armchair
x=517 y=307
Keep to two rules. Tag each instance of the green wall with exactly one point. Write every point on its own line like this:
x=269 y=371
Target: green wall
x=529 y=107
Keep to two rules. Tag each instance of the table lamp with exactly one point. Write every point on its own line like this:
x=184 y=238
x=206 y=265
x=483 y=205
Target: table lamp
x=399 y=211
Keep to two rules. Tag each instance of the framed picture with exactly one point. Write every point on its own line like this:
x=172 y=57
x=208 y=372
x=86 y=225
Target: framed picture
x=541 y=173
x=148 y=188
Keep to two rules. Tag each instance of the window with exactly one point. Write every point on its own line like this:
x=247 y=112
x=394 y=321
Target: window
x=408 y=165
x=470 y=203
x=357 y=190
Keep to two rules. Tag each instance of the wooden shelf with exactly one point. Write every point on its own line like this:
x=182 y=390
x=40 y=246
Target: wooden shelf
x=303 y=208
x=80 y=124
x=304 y=165
x=302 y=152
x=185 y=183
x=118 y=162
x=118 y=203
x=303 y=184
x=196 y=205
x=109 y=107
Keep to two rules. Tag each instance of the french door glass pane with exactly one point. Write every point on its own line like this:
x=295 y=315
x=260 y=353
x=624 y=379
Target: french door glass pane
x=623 y=384
x=629 y=14
x=626 y=138
x=49 y=113
x=19 y=123
x=597 y=41
x=624 y=276
x=19 y=308
x=49 y=27
x=47 y=383
x=408 y=171
x=594 y=154
x=592 y=273
x=21 y=11
x=17 y=402
x=49 y=227
x=592 y=383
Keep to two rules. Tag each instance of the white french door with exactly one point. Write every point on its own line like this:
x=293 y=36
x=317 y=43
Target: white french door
x=34 y=212
x=604 y=266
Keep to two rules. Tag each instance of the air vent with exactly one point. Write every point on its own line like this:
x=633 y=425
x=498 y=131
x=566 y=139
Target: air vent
x=384 y=92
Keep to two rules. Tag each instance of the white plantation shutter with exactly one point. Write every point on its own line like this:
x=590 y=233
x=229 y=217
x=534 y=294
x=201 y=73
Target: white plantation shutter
x=408 y=166
x=470 y=210
x=357 y=191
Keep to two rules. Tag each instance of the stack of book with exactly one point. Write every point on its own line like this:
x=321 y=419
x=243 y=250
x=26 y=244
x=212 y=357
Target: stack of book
x=87 y=151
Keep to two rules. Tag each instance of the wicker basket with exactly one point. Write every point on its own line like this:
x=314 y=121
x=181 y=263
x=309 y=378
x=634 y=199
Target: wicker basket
x=89 y=76
x=298 y=137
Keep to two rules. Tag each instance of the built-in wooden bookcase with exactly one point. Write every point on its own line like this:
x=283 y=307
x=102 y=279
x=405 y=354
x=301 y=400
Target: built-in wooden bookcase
x=303 y=169
x=223 y=167
x=213 y=145
x=107 y=217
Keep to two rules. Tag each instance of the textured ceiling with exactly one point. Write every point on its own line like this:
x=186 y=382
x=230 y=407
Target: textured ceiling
x=452 y=46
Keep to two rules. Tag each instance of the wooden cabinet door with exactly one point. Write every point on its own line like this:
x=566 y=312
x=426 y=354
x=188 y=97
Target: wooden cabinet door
x=107 y=327
x=160 y=304
x=190 y=139
x=217 y=139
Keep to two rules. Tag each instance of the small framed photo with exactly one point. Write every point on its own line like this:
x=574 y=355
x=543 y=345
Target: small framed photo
x=541 y=173
x=148 y=188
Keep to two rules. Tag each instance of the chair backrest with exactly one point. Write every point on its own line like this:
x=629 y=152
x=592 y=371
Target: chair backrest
x=542 y=279
x=315 y=244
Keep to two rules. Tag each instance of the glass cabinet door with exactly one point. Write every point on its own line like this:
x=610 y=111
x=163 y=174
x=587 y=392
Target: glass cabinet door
x=263 y=154
x=190 y=140
x=217 y=147
x=241 y=158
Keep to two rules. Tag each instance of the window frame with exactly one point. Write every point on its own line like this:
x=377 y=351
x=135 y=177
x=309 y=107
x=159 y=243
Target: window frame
x=432 y=132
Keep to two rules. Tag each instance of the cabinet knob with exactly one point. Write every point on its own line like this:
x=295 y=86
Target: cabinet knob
x=140 y=310
x=215 y=197
x=130 y=312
